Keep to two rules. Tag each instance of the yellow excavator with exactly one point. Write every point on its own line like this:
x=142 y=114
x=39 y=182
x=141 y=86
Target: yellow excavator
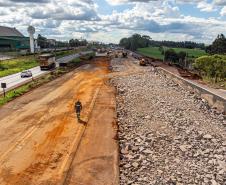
x=143 y=62
x=124 y=54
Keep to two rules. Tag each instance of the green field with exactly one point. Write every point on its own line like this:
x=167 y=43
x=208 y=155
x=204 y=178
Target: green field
x=19 y=64
x=156 y=53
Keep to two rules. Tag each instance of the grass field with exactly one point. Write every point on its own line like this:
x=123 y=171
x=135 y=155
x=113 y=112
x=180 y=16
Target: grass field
x=12 y=66
x=156 y=53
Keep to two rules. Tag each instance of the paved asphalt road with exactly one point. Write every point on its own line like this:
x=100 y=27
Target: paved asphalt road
x=15 y=80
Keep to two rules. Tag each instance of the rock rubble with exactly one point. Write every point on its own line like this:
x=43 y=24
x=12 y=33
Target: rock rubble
x=167 y=135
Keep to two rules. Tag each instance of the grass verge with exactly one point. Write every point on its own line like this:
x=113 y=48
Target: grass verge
x=12 y=66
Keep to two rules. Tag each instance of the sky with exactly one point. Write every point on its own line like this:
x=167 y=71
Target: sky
x=110 y=20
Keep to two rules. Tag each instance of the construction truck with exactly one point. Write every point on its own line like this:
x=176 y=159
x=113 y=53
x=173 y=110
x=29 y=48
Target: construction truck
x=143 y=62
x=47 y=61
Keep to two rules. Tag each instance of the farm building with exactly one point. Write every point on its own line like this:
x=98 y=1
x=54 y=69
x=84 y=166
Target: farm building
x=12 y=39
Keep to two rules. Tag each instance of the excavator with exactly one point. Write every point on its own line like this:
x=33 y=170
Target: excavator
x=143 y=62
x=124 y=54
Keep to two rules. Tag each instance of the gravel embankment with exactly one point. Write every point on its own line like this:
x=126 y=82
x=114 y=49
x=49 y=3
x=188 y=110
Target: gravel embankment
x=167 y=135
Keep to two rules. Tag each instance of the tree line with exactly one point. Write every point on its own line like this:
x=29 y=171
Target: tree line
x=76 y=42
x=43 y=42
x=218 y=46
x=140 y=41
x=135 y=41
x=181 y=44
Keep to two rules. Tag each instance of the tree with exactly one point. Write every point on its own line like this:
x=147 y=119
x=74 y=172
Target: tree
x=42 y=41
x=72 y=43
x=218 y=46
x=211 y=66
x=135 y=41
x=171 y=55
x=76 y=42
x=182 y=55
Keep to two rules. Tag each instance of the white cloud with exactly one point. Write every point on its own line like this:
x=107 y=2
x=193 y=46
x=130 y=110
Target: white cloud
x=219 y=2
x=223 y=11
x=117 y=2
x=161 y=19
x=206 y=7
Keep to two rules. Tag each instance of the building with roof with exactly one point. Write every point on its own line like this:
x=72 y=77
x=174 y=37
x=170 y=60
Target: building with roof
x=12 y=39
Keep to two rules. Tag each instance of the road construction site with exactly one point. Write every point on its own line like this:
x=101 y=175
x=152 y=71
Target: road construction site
x=39 y=132
x=167 y=134
x=141 y=128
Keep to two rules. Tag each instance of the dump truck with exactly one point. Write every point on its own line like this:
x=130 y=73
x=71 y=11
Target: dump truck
x=47 y=61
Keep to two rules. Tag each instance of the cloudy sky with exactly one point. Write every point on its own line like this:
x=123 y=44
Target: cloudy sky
x=110 y=20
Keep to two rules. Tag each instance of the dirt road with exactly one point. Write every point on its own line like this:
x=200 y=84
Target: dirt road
x=96 y=157
x=39 y=131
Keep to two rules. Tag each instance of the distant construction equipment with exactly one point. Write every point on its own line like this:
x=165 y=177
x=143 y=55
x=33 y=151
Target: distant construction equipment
x=143 y=62
x=124 y=54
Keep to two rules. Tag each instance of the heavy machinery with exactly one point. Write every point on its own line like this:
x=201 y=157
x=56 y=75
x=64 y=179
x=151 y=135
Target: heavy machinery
x=143 y=62
x=47 y=61
x=124 y=54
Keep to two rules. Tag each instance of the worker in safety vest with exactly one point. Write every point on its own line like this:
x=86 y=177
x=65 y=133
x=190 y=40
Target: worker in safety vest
x=78 y=109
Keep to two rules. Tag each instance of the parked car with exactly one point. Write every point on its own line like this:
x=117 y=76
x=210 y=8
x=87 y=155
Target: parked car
x=26 y=74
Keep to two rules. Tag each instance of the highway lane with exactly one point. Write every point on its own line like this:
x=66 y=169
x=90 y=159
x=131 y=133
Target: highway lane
x=71 y=57
x=15 y=80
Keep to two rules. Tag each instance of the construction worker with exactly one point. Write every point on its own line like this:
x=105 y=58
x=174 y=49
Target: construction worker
x=78 y=109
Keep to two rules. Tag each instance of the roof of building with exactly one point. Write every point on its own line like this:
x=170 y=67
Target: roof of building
x=9 y=32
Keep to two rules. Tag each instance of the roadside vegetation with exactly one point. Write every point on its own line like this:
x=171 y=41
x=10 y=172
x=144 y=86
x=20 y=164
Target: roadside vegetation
x=212 y=69
x=16 y=65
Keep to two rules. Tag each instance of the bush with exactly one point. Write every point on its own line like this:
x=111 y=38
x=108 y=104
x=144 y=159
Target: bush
x=171 y=55
x=211 y=66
